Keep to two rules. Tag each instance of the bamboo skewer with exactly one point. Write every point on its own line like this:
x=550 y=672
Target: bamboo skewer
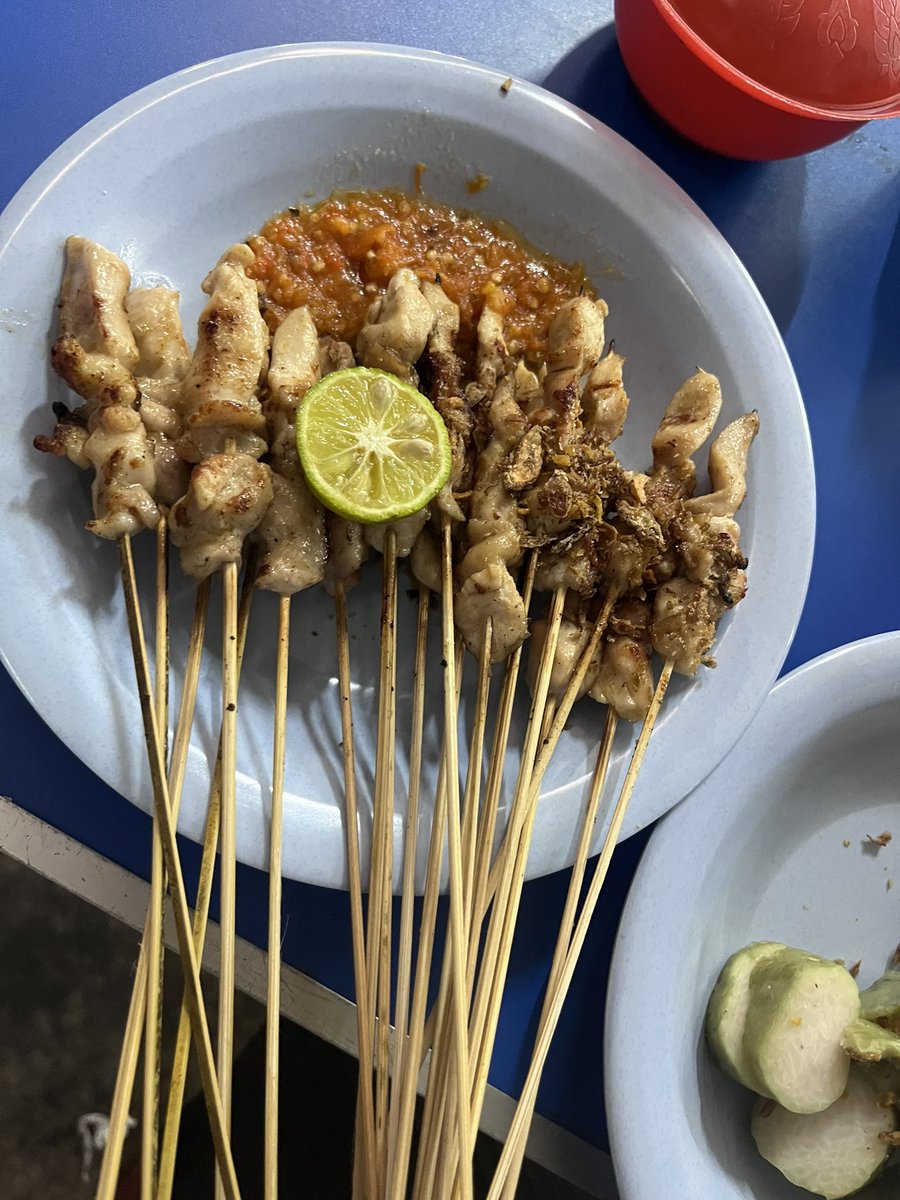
x=397 y=1188
x=227 y=846
x=127 y=1069
x=193 y=992
x=178 y=1076
x=435 y=1114
x=459 y=1062
x=436 y=1126
x=472 y=797
x=365 y=1126
x=410 y=847
x=519 y=850
x=567 y=921
x=519 y=1129
x=378 y=932
x=155 y=944
x=273 y=994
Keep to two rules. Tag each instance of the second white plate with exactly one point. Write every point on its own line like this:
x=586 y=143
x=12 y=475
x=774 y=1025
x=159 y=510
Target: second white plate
x=772 y=847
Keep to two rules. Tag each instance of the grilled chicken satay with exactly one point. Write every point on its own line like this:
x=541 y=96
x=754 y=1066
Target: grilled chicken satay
x=229 y=490
x=94 y=354
x=293 y=528
x=393 y=338
x=225 y=501
x=495 y=529
x=447 y=394
x=712 y=575
x=640 y=538
x=604 y=405
x=574 y=463
x=575 y=344
x=163 y=362
x=219 y=399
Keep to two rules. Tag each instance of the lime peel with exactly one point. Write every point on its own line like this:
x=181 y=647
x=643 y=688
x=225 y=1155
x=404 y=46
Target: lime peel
x=373 y=448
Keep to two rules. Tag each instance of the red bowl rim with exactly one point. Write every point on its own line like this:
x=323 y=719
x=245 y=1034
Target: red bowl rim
x=840 y=112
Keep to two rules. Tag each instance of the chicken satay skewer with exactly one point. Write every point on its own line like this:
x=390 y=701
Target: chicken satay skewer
x=94 y=355
x=127 y=1070
x=364 y=1184
x=162 y=364
x=228 y=493
x=178 y=1077
x=518 y=1131
x=193 y=992
x=292 y=533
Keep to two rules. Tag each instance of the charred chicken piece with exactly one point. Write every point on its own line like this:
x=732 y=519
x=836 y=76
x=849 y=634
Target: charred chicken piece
x=445 y=369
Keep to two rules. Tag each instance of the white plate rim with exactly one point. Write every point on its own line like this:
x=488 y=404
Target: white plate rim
x=713 y=245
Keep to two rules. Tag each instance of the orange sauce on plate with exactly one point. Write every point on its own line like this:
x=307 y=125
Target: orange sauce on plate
x=338 y=255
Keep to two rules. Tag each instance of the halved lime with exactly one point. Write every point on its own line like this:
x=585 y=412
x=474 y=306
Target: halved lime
x=372 y=447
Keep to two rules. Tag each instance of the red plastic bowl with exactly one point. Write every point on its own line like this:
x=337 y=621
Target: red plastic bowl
x=716 y=104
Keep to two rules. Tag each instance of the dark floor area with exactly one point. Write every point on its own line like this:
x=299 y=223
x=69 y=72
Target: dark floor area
x=64 y=994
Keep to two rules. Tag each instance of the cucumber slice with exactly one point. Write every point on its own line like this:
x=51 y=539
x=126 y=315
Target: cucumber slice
x=832 y=1153
x=799 y=1006
x=867 y=1042
x=881 y=1001
x=726 y=1013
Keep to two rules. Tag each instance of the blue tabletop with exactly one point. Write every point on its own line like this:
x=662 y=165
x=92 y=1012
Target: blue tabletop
x=820 y=237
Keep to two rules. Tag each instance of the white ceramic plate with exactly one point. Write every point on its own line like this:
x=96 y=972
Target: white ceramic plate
x=171 y=176
x=756 y=853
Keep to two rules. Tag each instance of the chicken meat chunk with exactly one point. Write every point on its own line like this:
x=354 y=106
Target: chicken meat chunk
x=727 y=469
x=682 y=628
x=623 y=678
x=491 y=592
x=162 y=364
x=92 y=302
x=94 y=354
x=219 y=399
x=225 y=501
x=445 y=369
x=686 y=424
x=292 y=531
x=396 y=329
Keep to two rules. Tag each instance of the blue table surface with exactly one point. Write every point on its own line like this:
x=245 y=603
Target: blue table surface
x=820 y=237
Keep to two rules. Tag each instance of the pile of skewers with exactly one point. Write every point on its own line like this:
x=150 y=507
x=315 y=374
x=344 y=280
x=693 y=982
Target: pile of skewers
x=200 y=448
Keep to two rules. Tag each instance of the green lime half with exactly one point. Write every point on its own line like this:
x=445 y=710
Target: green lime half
x=372 y=447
